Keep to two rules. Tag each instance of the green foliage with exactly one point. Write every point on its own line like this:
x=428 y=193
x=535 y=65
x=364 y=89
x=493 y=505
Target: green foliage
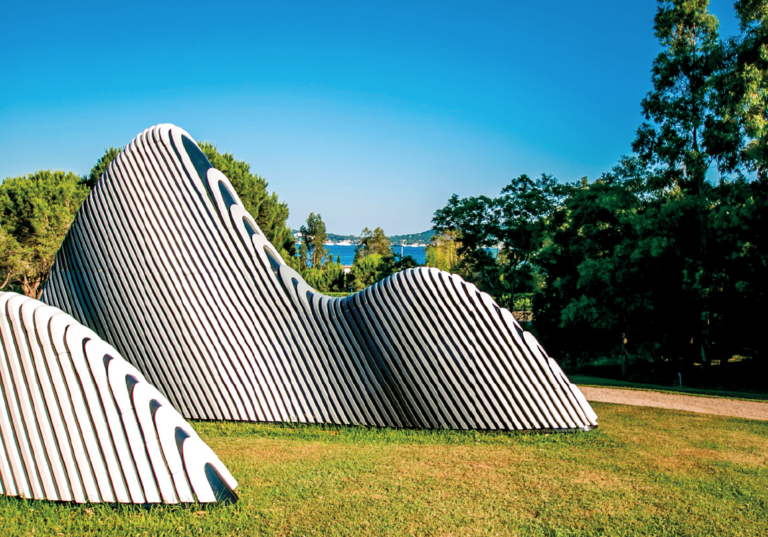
x=523 y=302
x=367 y=270
x=101 y=166
x=11 y=259
x=739 y=267
x=618 y=272
x=316 y=266
x=514 y=223
x=375 y=260
x=651 y=262
x=313 y=237
x=269 y=212
x=303 y=255
x=743 y=84
x=442 y=251
x=328 y=277
x=35 y=212
x=682 y=135
x=373 y=242
x=692 y=128
x=614 y=273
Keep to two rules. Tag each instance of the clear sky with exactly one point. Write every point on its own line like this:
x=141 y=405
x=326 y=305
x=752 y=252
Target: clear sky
x=371 y=114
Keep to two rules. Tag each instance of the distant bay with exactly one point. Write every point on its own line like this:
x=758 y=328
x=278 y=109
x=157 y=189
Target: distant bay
x=347 y=252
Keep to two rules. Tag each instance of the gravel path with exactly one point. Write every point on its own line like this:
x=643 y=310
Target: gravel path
x=707 y=405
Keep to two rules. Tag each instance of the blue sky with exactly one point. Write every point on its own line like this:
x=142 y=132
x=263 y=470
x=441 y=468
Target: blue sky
x=371 y=114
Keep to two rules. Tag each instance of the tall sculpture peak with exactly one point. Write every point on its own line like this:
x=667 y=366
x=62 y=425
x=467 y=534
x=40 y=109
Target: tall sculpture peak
x=165 y=263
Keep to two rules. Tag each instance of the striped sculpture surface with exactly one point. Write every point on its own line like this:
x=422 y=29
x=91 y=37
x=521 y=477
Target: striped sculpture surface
x=79 y=423
x=164 y=262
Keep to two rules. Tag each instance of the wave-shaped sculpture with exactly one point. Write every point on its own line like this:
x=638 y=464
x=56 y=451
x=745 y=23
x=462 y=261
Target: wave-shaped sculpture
x=163 y=261
x=79 y=423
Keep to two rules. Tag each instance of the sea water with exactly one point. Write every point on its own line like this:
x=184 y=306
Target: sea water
x=347 y=252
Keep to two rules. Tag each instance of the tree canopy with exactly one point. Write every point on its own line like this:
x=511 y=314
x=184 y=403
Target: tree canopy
x=101 y=166
x=373 y=242
x=493 y=241
x=36 y=210
x=316 y=266
x=269 y=212
x=442 y=251
x=653 y=262
x=313 y=237
x=744 y=82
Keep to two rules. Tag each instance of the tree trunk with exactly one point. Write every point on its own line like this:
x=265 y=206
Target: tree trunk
x=623 y=359
x=703 y=267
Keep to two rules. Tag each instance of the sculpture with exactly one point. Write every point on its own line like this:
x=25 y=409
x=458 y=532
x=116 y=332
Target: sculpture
x=164 y=262
x=79 y=423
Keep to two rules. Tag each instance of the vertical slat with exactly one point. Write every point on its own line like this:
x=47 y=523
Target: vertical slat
x=17 y=441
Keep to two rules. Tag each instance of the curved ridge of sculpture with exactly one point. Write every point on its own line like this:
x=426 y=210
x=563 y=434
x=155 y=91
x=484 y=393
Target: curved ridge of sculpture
x=79 y=423
x=163 y=261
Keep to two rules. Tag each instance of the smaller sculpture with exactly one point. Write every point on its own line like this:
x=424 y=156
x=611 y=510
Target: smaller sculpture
x=79 y=423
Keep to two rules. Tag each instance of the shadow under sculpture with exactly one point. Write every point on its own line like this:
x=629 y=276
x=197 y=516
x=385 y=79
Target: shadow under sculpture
x=164 y=262
x=79 y=423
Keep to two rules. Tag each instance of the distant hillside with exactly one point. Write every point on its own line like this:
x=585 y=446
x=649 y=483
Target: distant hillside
x=332 y=237
x=413 y=238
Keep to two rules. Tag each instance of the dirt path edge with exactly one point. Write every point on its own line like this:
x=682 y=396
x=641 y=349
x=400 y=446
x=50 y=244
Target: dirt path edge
x=754 y=410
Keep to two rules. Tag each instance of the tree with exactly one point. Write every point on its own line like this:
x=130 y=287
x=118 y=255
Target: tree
x=373 y=242
x=525 y=207
x=101 y=166
x=269 y=212
x=651 y=263
x=375 y=260
x=683 y=134
x=442 y=251
x=395 y=263
x=328 y=278
x=675 y=135
x=475 y=222
x=613 y=270
x=511 y=225
x=11 y=259
x=746 y=78
x=36 y=211
x=739 y=244
x=313 y=237
x=367 y=270
x=303 y=254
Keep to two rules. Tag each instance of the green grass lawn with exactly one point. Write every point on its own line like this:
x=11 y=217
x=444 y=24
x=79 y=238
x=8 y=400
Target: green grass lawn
x=642 y=472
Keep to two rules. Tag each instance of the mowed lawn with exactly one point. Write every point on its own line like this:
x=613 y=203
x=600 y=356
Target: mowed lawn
x=643 y=472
